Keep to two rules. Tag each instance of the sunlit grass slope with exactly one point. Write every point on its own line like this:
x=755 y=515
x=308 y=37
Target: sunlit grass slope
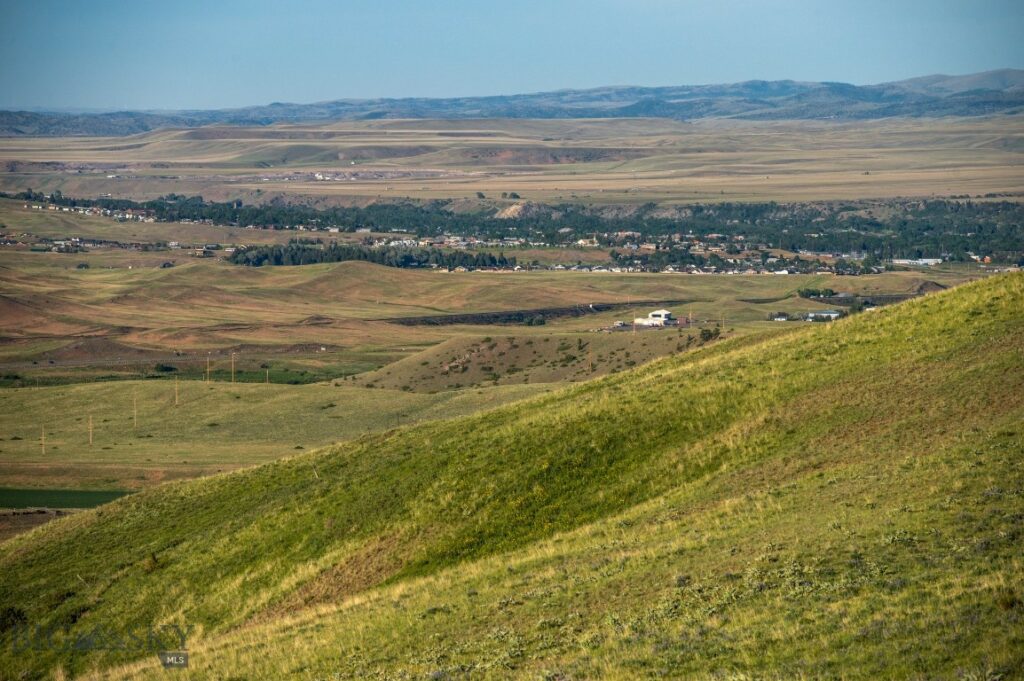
x=841 y=500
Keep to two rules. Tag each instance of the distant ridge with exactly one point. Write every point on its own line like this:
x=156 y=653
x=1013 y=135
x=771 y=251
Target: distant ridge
x=991 y=92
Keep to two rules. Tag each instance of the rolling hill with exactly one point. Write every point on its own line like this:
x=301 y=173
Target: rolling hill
x=531 y=359
x=977 y=94
x=840 y=500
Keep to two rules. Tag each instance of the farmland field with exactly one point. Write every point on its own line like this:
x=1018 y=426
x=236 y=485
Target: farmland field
x=591 y=161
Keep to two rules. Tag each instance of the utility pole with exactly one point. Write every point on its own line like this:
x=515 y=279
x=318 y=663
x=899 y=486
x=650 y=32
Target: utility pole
x=268 y=376
x=42 y=439
x=90 y=430
x=175 y=391
x=207 y=367
x=232 y=367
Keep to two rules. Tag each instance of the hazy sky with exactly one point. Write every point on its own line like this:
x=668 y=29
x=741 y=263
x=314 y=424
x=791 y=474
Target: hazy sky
x=174 y=54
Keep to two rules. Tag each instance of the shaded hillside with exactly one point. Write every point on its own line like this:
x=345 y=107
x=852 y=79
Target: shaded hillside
x=978 y=94
x=840 y=500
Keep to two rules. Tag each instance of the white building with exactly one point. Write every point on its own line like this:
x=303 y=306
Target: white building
x=823 y=315
x=921 y=262
x=657 y=318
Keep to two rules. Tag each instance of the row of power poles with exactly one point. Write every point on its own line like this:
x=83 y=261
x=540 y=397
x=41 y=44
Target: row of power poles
x=135 y=402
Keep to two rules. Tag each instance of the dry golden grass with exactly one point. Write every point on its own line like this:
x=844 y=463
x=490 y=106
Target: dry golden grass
x=204 y=305
x=593 y=161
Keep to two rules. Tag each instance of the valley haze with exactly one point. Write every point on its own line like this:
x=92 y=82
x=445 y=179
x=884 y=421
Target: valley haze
x=992 y=92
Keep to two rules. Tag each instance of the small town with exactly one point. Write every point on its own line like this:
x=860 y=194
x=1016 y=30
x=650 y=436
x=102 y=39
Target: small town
x=608 y=252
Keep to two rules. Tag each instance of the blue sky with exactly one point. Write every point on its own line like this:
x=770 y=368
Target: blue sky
x=144 y=54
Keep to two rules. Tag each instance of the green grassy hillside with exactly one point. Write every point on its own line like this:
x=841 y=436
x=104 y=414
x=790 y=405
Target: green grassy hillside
x=838 y=500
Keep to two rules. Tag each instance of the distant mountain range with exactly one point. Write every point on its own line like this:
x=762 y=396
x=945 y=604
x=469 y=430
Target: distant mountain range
x=978 y=94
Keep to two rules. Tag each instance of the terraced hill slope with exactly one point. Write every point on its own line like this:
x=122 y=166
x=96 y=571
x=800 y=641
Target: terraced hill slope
x=840 y=500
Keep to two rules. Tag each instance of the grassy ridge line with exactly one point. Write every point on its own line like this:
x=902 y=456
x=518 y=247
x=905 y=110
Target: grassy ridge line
x=426 y=498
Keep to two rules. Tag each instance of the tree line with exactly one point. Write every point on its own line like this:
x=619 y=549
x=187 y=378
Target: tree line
x=299 y=253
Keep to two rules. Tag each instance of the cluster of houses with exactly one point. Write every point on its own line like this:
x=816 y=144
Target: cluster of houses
x=669 y=269
x=664 y=318
x=203 y=250
x=720 y=253
x=452 y=241
x=631 y=241
x=126 y=215
x=726 y=264
x=72 y=244
x=812 y=316
x=75 y=244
